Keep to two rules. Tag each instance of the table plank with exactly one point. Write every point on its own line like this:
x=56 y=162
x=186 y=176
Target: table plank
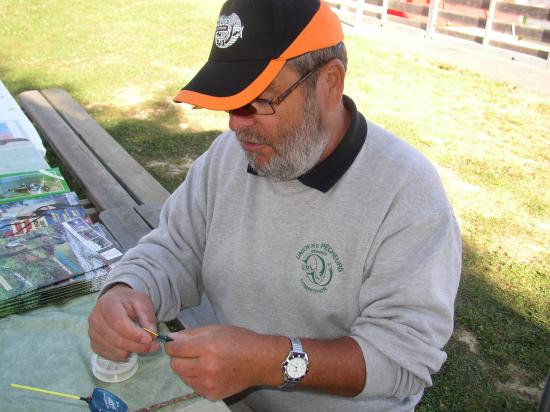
x=126 y=226
x=129 y=173
x=101 y=187
x=150 y=212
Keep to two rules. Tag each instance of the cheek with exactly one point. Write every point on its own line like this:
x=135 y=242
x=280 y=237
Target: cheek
x=287 y=125
x=274 y=129
x=269 y=131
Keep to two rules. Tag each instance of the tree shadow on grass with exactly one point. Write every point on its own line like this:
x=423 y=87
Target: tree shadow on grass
x=509 y=348
x=19 y=84
x=151 y=133
x=156 y=140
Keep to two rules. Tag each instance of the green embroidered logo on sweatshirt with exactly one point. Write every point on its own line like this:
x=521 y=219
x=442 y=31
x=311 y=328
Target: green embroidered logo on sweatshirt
x=319 y=263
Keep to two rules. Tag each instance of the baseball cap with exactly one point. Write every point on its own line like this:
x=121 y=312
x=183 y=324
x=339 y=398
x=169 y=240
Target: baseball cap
x=253 y=41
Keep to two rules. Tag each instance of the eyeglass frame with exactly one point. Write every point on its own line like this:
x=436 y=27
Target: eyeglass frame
x=276 y=101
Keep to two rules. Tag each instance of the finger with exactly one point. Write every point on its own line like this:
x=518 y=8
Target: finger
x=99 y=330
x=121 y=306
x=102 y=346
x=127 y=347
x=145 y=314
x=114 y=354
x=185 y=367
x=111 y=334
x=118 y=317
x=109 y=339
x=184 y=345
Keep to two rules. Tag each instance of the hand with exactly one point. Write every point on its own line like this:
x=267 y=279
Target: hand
x=219 y=361
x=112 y=324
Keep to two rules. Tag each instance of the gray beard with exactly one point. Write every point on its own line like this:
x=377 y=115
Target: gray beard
x=298 y=150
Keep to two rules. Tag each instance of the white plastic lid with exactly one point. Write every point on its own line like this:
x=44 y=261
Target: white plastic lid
x=110 y=371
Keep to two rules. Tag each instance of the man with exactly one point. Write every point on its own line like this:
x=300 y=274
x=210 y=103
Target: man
x=328 y=249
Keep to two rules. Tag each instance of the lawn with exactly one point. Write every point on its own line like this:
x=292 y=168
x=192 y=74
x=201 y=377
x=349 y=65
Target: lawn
x=124 y=60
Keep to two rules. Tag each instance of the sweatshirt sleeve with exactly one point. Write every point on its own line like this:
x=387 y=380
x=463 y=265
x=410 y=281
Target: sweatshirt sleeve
x=166 y=263
x=407 y=304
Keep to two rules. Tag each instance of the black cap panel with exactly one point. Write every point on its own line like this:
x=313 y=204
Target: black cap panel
x=259 y=29
x=223 y=79
x=291 y=18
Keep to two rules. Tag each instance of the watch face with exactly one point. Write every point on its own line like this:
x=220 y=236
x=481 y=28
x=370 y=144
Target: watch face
x=296 y=368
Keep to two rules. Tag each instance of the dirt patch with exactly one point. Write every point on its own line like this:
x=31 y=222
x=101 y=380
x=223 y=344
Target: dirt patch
x=531 y=393
x=515 y=385
x=526 y=392
x=469 y=339
x=172 y=169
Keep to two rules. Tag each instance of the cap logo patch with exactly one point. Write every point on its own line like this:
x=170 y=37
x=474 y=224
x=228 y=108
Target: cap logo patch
x=228 y=30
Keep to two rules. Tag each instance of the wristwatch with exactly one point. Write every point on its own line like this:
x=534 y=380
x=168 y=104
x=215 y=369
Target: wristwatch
x=295 y=366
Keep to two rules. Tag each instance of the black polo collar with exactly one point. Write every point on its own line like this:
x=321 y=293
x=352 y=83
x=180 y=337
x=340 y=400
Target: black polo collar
x=325 y=175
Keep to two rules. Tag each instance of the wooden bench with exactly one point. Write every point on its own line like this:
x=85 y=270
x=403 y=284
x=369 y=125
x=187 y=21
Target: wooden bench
x=126 y=196
x=109 y=175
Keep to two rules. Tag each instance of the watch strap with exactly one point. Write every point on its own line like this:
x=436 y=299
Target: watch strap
x=297 y=350
x=296 y=345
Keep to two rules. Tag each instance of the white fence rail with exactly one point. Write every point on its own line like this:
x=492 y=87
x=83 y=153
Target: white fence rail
x=520 y=28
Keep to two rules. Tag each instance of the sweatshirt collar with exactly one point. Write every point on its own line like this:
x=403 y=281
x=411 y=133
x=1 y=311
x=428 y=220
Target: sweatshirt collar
x=325 y=175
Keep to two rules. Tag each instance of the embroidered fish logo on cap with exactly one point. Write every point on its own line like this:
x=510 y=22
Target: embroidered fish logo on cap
x=228 y=30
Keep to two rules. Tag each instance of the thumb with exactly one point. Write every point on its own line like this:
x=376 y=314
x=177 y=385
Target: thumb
x=145 y=314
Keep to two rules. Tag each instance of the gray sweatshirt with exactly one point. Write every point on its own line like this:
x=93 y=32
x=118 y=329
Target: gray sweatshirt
x=374 y=254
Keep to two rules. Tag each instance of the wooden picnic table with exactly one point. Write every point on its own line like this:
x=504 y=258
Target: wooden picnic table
x=49 y=347
x=127 y=198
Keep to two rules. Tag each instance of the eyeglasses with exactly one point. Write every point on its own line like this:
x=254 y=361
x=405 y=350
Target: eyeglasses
x=267 y=107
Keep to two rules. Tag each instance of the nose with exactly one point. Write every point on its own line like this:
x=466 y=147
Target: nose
x=237 y=123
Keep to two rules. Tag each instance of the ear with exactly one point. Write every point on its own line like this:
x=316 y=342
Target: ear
x=331 y=84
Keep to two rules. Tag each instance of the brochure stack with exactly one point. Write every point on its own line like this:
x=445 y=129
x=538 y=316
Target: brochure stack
x=49 y=248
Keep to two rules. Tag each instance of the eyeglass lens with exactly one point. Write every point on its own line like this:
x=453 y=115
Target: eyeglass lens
x=246 y=110
x=249 y=109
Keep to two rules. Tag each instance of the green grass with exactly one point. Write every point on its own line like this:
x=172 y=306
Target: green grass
x=489 y=140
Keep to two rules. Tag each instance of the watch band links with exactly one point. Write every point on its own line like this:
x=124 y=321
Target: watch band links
x=296 y=345
x=296 y=351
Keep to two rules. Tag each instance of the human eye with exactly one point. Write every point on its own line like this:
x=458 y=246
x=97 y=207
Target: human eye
x=262 y=106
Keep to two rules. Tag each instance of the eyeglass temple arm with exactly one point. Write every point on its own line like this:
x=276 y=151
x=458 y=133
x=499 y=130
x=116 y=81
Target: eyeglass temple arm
x=283 y=96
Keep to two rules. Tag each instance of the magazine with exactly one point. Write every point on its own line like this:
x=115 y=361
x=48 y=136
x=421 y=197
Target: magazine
x=22 y=216
x=80 y=285
x=29 y=185
x=9 y=130
x=41 y=258
x=18 y=155
x=21 y=127
x=20 y=290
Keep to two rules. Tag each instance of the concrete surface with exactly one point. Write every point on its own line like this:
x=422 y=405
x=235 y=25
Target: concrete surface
x=528 y=72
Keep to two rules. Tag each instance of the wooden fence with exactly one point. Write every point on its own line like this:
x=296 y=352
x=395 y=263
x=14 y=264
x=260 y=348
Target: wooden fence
x=503 y=24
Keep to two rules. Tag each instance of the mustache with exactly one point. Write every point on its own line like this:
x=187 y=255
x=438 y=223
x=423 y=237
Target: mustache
x=251 y=137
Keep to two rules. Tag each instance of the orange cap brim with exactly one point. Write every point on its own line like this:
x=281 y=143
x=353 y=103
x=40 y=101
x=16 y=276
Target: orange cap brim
x=253 y=90
x=324 y=30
